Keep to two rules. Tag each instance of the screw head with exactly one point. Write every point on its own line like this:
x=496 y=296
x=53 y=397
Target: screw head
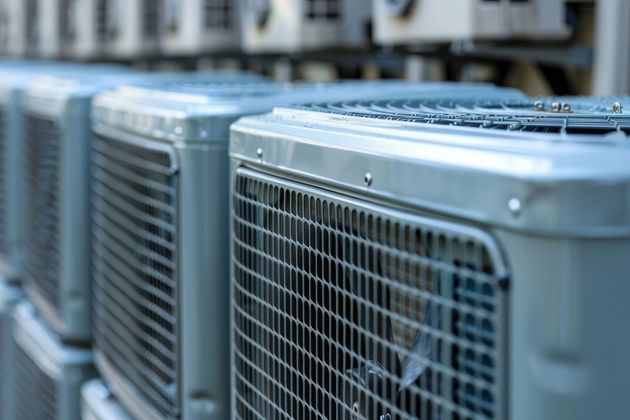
x=566 y=107
x=355 y=407
x=367 y=179
x=555 y=107
x=179 y=130
x=617 y=107
x=259 y=153
x=539 y=106
x=515 y=206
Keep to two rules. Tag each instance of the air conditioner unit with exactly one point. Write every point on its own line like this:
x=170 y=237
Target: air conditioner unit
x=413 y=21
x=128 y=28
x=447 y=259
x=160 y=260
x=54 y=192
x=79 y=30
x=192 y=27
x=9 y=296
x=55 y=188
x=98 y=403
x=47 y=374
x=282 y=26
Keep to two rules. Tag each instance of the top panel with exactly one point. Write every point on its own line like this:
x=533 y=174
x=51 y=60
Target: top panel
x=552 y=165
x=203 y=111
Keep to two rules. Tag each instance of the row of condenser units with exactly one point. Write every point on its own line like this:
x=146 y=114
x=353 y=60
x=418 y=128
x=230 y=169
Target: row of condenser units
x=135 y=28
x=213 y=246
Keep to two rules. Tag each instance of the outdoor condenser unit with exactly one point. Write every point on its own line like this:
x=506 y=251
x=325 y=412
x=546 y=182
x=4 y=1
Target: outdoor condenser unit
x=160 y=237
x=128 y=28
x=55 y=196
x=56 y=160
x=411 y=21
x=453 y=259
x=98 y=403
x=9 y=296
x=47 y=374
x=79 y=28
x=280 y=26
x=195 y=26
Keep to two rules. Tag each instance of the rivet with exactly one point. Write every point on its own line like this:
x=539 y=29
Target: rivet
x=179 y=131
x=259 y=153
x=515 y=206
x=367 y=179
x=566 y=107
x=555 y=107
x=617 y=107
x=539 y=106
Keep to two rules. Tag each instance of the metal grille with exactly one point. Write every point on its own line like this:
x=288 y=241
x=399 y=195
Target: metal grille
x=4 y=180
x=344 y=309
x=67 y=20
x=551 y=115
x=31 y=28
x=135 y=268
x=151 y=18
x=40 y=208
x=218 y=14
x=35 y=393
x=322 y=9
x=102 y=20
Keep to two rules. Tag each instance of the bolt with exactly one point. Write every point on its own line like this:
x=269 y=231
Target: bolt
x=555 y=107
x=367 y=179
x=259 y=153
x=515 y=206
x=539 y=106
x=566 y=107
x=617 y=107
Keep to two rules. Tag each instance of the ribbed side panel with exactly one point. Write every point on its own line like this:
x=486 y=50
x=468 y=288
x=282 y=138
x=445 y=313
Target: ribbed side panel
x=135 y=268
x=35 y=393
x=345 y=309
x=40 y=208
x=150 y=18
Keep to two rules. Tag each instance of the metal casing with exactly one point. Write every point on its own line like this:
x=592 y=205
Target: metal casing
x=413 y=21
x=98 y=403
x=196 y=26
x=10 y=295
x=48 y=375
x=547 y=184
x=174 y=140
x=56 y=189
x=285 y=26
x=55 y=195
x=128 y=29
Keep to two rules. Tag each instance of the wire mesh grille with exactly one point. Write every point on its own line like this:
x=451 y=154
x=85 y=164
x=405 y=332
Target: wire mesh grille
x=151 y=18
x=31 y=28
x=346 y=310
x=34 y=392
x=40 y=208
x=218 y=14
x=135 y=268
x=101 y=19
x=579 y=116
x=322 y=9
x=4 y=180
